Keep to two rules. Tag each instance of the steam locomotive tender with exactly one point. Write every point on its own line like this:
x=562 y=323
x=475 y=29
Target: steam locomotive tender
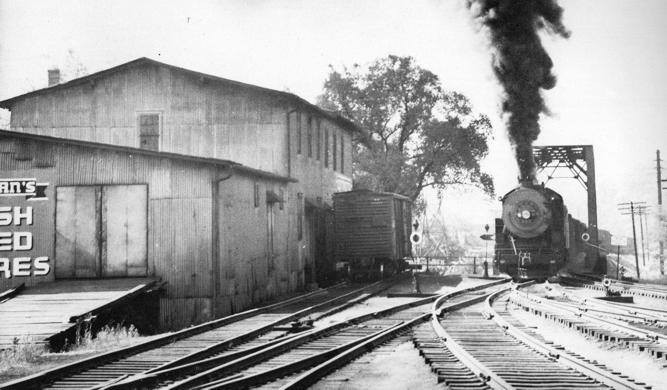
x=532 y=237
x=372 y=233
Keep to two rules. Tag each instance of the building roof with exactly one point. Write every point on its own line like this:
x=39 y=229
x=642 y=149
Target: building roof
x=131 y=150
x=367 y=192
x=333 y=116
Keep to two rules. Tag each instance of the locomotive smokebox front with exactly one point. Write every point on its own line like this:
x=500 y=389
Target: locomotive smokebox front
x=526 y=211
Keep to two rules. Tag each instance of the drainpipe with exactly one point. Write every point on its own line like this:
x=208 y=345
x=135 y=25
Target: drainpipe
x=215 y=238
x=289 y=112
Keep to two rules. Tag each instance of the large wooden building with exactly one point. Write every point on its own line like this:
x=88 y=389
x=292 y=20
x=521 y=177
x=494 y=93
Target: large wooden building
x=218 y=188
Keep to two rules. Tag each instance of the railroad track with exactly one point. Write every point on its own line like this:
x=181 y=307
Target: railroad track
x=253 y=328
x=631 y=313
x=596 y=323
x=300 y=359
x=636 y=289
x=446 y=302
x=497 y=352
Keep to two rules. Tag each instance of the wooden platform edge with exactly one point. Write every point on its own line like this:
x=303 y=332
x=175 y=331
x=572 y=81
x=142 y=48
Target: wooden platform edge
x=37 y=380
x=129 y=295
x=11 y=293
x=80 y=322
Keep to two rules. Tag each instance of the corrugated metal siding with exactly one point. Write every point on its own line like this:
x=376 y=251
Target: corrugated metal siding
x=177 y=313
x=180 y=226
x=181 y=243
x=198 y=118
x=179 y=215
x=247 y=274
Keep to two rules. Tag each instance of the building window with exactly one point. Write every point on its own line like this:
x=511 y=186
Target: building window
x=310 y=136
x=318 y=138
x=256 y=194
x=149 y=131
x=334 y=150
x=342 y=155
x=271 y=199
x=300 y=206
x=270 y=216
x=326 y=147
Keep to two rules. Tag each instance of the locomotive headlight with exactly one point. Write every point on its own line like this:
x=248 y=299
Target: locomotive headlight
x=523 y=214
x=527 y=212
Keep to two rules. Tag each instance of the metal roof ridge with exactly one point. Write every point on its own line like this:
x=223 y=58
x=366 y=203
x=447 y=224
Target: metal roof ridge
x=334 y=116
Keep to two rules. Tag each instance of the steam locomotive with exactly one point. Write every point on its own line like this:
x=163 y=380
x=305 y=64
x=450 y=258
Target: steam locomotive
x=536 y=238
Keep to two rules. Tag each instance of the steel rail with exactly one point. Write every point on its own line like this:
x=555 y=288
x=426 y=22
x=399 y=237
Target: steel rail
x=624 y=309
x=640 y=290
x=312 y=376
x=208 y=351
x=40 y=379
x=586 y=368
x=203 y=361
x=487 y=375
x=623 y=324
x=213 y=375
x=286 y=369
x=648 y=310
x=579 y=312
x=316 y=373
x=647 y=286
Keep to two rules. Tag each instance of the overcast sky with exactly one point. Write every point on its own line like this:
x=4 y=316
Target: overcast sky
x=612 y=71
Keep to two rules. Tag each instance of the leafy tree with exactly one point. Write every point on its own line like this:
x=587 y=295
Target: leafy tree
x=419 y=134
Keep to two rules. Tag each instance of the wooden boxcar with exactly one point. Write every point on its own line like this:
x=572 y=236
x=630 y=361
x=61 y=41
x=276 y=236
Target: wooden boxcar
x=372 y=232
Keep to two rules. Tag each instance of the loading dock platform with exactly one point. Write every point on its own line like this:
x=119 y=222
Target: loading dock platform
x=48 y=313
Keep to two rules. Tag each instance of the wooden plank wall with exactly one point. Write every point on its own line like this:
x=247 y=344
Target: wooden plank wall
x=203 y=118
x=248 y=272
x=316 y=179
x=199 y=117
x=179 y=226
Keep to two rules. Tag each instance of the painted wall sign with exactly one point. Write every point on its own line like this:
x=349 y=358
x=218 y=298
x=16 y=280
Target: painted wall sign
x=23 y=187
x=12 y=238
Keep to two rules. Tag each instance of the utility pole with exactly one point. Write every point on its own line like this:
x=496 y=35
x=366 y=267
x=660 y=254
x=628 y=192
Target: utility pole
x=634 y=238
x=643 y=211
x=634 y=230
x=618 y=262
x=657 y=161
x=641 y=230
x=660 y=218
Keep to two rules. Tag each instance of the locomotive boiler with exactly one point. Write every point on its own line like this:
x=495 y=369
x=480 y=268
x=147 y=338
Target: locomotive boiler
x=531 y=237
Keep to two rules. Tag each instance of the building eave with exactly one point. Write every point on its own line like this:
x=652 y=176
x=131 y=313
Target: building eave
x=145 y=152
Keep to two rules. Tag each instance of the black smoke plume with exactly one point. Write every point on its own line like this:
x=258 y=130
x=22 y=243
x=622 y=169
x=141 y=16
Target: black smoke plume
x=521 y=65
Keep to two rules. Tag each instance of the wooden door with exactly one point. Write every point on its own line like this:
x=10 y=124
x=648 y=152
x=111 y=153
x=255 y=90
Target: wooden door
x=101 y=231
x=123 y=242
x=77 y=232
